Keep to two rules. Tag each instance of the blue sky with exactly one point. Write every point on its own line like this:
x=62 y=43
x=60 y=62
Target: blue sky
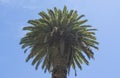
x=102 y=14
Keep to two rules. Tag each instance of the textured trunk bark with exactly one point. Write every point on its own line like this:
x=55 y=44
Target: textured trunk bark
x=59 y=68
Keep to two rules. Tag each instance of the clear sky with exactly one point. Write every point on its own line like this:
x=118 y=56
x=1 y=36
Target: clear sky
x=102 y=14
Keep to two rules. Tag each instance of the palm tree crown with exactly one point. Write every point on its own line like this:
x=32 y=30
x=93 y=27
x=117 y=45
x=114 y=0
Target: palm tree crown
x=59 y=32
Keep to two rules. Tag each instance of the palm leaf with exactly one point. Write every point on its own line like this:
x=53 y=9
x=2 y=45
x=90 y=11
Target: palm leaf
x=59 y=32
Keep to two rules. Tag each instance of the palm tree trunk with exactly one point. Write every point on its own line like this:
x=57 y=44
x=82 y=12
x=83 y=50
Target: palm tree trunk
x=59 y=68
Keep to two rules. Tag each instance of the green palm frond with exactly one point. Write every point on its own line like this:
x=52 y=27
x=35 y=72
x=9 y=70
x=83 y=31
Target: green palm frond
x=62 y=32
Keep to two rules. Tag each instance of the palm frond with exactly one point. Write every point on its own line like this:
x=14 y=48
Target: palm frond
x=61 y=32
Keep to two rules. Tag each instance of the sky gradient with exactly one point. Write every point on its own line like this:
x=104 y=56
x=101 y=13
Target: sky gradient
x=101 y=14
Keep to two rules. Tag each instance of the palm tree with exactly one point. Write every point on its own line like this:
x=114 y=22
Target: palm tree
x=59 y=40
